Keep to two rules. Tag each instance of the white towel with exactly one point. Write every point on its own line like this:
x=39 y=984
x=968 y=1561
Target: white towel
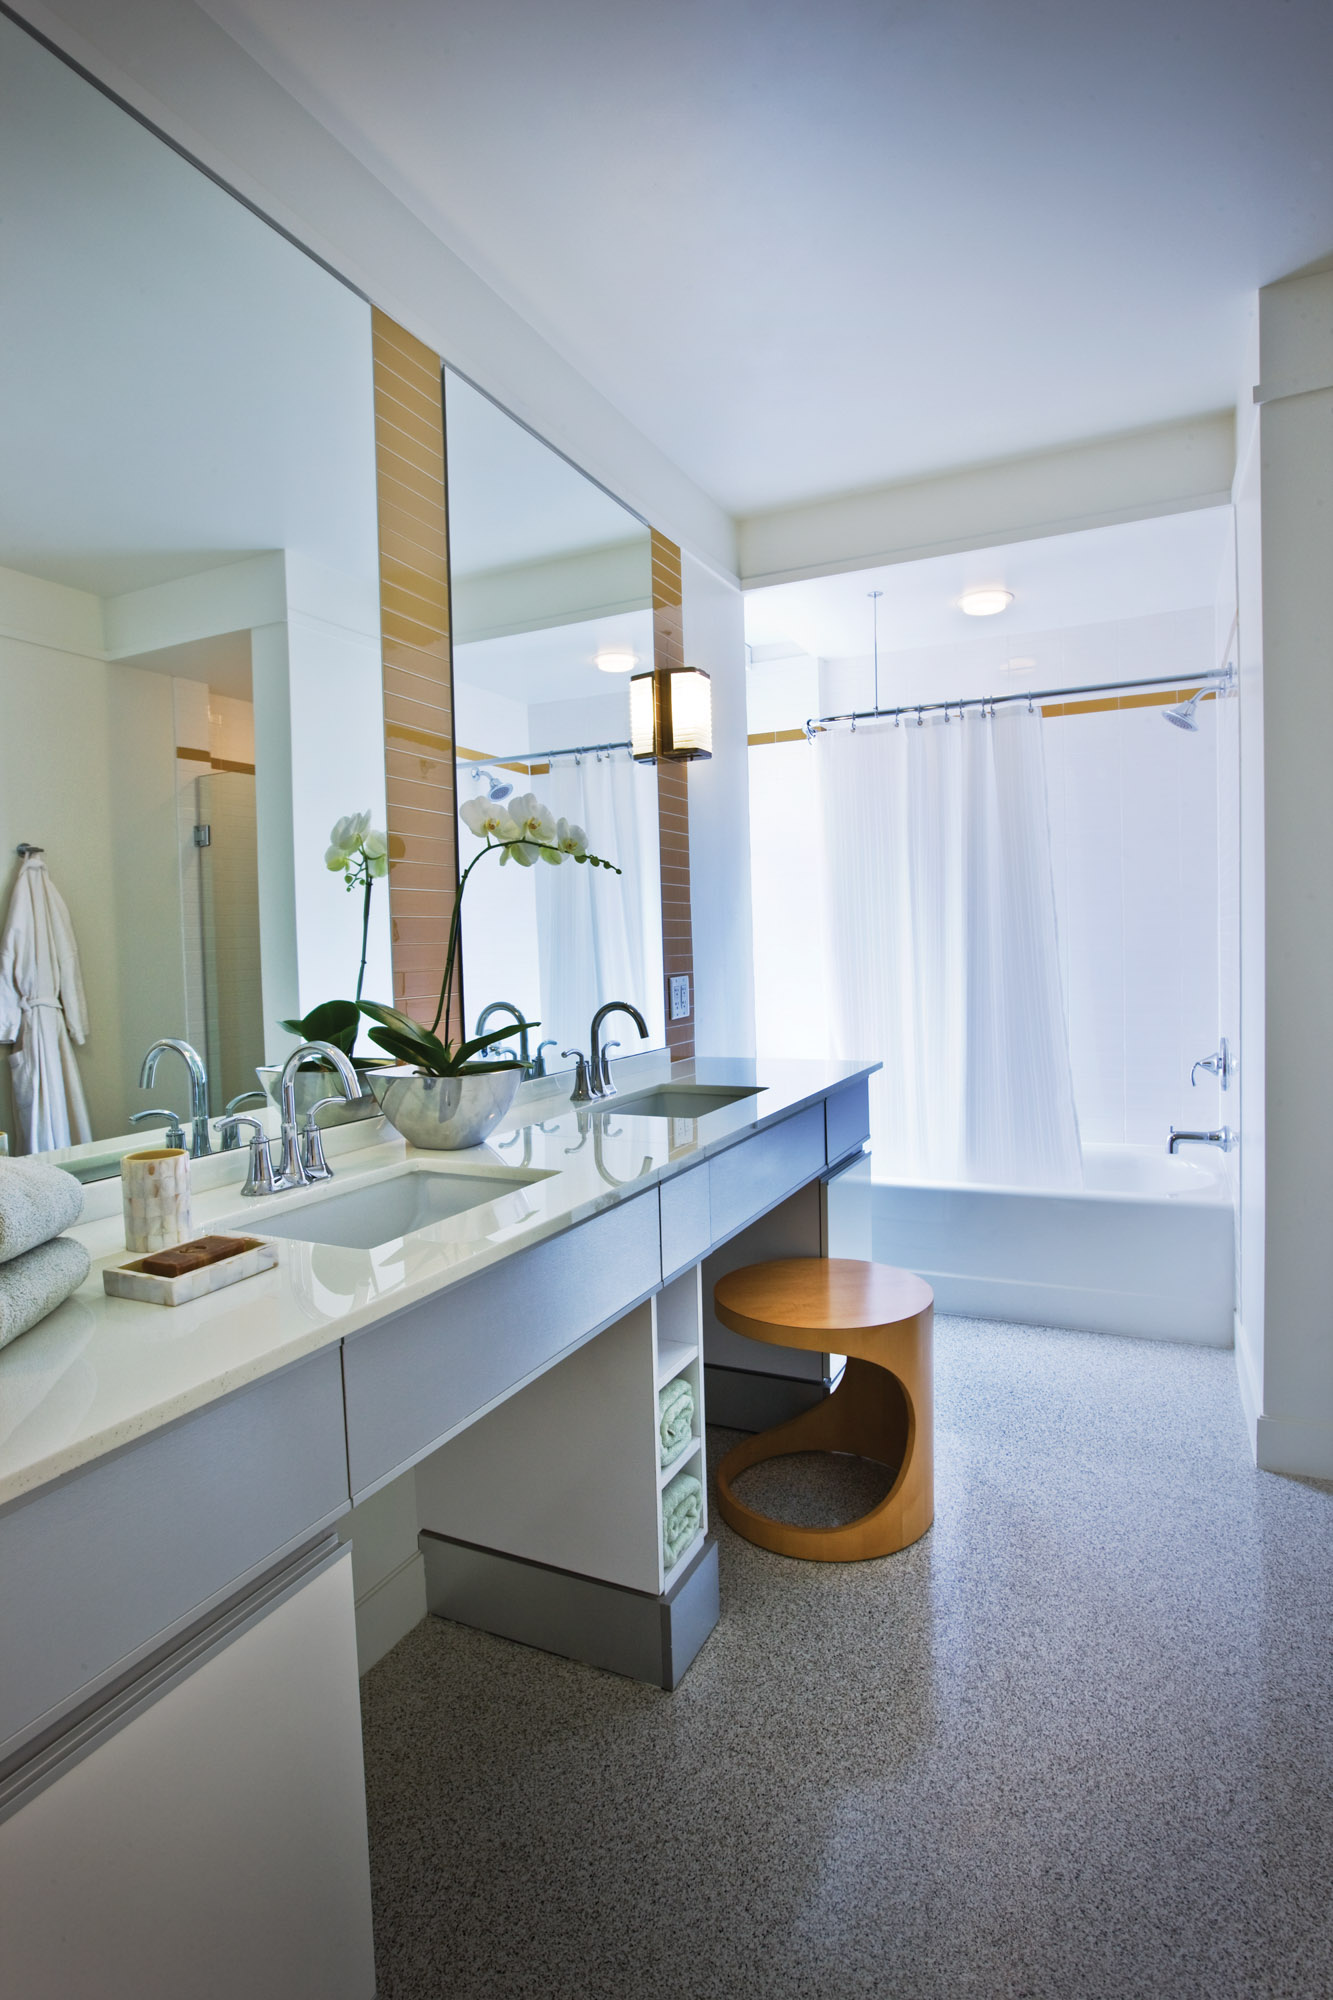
x=36 y=1203
x=33 y=1285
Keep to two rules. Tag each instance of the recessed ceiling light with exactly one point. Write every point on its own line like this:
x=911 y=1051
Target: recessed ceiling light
x=616 y=660
x=1018 y=665
x=984 y=603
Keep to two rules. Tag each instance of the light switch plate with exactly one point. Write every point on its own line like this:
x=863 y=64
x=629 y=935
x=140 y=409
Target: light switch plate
x=680 y=996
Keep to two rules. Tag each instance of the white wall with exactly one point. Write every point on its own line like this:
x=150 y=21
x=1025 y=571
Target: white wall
x=1295 y=395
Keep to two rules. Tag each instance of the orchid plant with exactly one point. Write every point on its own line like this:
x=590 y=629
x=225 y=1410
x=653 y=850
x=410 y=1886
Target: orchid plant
x=521 y=831
x=358 y=852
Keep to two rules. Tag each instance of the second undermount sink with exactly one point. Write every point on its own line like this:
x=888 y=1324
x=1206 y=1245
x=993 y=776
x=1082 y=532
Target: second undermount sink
x=682 y=1100
x=368 y=1217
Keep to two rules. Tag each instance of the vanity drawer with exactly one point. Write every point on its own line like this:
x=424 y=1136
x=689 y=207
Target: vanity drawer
x=751 y=1177
x=687 y=1229
x=413 y=1380
x=114 y=1558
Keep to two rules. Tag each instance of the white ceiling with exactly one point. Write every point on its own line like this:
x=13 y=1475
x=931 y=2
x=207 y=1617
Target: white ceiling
x=1139 y=570
x=179 y=387
x=807 y=249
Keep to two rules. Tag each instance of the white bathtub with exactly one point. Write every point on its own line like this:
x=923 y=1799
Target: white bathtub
x=1146 y=1248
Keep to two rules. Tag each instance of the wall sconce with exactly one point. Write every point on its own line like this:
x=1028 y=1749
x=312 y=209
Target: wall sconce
x=671 y=715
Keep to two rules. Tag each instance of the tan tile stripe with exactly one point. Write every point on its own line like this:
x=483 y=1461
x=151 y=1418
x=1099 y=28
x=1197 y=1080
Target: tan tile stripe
x=418 y=678
x=673 y=816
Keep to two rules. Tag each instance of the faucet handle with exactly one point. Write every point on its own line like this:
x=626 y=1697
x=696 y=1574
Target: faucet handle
x=539 y=1060
x=173 y=1136
x=605 y=1087
x=583 y=1092
x=261 y=1178
x=316 y=1166
x=231 y=1138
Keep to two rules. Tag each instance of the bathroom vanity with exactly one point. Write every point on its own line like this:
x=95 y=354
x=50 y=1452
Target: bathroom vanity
x=179 y=1728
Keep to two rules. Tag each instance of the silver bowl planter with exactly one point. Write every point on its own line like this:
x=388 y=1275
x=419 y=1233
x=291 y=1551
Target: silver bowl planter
x=445 y=1113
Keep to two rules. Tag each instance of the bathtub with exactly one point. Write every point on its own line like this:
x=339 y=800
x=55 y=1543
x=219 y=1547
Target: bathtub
x=1147 y=1246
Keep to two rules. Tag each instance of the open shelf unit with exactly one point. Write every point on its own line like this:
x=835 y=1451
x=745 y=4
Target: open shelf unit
x=586 y=1435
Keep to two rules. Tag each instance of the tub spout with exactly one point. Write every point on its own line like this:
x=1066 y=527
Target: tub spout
x=1225 y=1138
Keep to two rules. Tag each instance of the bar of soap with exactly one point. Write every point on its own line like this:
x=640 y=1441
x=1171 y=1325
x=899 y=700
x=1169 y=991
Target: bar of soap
x=193 y=1256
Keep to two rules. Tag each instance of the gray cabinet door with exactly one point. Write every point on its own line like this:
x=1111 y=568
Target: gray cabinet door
x=415 y=1379
x=113 y=1559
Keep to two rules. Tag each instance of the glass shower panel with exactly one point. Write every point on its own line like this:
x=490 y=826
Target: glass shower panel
x=229 y=932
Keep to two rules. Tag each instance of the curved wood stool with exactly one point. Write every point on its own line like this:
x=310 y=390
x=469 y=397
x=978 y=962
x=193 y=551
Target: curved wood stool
x=881 y=1319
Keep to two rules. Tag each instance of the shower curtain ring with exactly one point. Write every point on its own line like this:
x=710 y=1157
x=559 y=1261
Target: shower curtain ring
x=920 y=720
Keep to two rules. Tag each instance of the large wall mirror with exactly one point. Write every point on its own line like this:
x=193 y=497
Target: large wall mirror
x=552 y=612
x=190 y=685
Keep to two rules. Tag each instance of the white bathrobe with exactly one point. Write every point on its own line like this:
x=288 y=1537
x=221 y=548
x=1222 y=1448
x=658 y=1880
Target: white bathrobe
x=41 y=1007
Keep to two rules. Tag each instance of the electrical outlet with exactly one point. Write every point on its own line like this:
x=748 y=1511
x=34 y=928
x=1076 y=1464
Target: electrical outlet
x=680 y=996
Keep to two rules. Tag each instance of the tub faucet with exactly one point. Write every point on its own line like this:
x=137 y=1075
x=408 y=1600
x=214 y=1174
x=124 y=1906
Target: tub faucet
x=200 y=1142
x=521 y=1022
x=1225 y=1138
x=599 y=1062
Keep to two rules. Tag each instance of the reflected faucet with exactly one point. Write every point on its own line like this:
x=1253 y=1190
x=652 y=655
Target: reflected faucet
x=200 y=1144
x=599 y=1061
x=522 y=1023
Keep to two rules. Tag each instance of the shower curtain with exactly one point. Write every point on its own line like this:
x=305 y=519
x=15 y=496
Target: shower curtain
x=594 y=943
x=943 y=948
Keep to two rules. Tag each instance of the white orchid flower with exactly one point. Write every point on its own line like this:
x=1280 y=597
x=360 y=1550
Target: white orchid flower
x=374 y=844
x=489 y=820
x=571 y=839
x=378 y=865
x=335 y=860
x=533 y=820
x=521 y=851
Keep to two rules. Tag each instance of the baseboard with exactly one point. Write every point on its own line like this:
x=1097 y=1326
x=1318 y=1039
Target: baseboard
x=1302 y=1451
x=386 y=1614
x=583 y=1618
x=741 y=1399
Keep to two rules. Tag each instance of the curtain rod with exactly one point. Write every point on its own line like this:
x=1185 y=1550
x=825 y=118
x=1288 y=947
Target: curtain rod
x=540 y=756
x=1029 y=695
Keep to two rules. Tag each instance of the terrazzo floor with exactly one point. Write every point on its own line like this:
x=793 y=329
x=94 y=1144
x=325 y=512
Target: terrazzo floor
x=1078 y=1742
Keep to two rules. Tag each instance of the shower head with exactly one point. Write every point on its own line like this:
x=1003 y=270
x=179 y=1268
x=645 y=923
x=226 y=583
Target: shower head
x=495 y=789
x=1183 y=713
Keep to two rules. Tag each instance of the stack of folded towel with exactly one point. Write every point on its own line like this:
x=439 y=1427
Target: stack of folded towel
x=39 y=1267
x=682 y=1511
x=675 y=1419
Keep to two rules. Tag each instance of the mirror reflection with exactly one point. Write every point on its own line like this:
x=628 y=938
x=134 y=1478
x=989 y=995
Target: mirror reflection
x=189 y=627
x=551 y=601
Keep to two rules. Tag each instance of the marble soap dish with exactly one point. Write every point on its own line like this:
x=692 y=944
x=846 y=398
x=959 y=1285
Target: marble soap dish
x=190 y=1270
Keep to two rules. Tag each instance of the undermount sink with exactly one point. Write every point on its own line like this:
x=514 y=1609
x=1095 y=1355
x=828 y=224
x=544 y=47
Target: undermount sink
x=682 y=1100
x=366 y=1218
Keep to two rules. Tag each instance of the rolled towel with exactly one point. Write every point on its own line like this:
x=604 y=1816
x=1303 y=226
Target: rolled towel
x=33 y=1285
x=682 y=1511
x=675 y=1419
x=36 y=1203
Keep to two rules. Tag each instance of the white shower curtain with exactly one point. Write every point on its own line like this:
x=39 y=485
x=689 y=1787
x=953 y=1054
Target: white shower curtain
x=943 y=948
x=594 y=941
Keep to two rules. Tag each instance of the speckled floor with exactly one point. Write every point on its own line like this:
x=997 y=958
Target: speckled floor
x=1076 y=1743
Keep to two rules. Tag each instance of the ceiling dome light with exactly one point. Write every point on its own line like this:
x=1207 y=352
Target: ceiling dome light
x=985 y=603
x=616 y=660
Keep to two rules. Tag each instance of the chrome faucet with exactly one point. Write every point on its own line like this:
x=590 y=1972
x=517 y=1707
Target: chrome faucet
x=199 y=1139
x=1225 y=1138
x=521 y=1022
x=292 y=1167
x=599 y=1061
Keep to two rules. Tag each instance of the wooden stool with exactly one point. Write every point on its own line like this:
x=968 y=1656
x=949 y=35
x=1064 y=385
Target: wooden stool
x=881 y=1319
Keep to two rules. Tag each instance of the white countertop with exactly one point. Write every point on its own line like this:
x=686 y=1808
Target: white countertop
x=100 y=1371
